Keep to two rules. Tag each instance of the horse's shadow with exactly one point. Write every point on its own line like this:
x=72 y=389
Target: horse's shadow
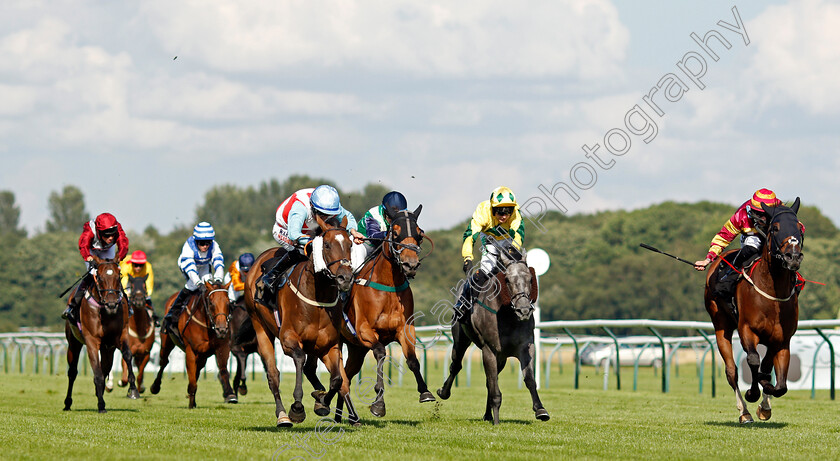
x=110 y=410
x=294 y=429
x=755 y=425
x=523 y=422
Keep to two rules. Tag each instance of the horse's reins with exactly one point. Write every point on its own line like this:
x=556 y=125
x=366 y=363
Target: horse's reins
x=97 y=304
x=207 y=313
x=342 y=261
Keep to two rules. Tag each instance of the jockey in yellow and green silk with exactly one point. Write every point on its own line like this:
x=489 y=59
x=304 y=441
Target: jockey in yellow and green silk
x=497 y=218
x=137 y=266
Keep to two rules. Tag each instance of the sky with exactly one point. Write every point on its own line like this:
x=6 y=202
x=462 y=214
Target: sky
x=147 y=105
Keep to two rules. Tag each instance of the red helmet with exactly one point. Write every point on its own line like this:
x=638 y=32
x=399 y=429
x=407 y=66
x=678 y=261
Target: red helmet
x=138 y=257
x=106 y=223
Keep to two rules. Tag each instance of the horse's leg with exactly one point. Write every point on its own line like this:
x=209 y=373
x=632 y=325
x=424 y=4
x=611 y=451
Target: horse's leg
x=127 y=358
x=782 y=363
x=74 y=349
x=141 y=368
x=377 y=408
x=222 y=356
x=192 y=374
x=406 y=340
x=238 y=377
x=166 y=346
x=492 y=367
x=297 y=413
x=750 y=342
x=265 y=347
x=339 y=383
x=526 y=361
x=724 y=342
x=355 y=360
x=124 y=379
x=92 y=345
x=322 y=404
x=460 y=344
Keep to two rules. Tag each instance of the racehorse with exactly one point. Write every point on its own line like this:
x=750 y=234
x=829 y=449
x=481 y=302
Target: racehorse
x=307 y=321
x=204 y=327
x=502 y=325
x=382 y=305
x=103 y=316
x=243 y=342
x=767 y=299
x=141 y=331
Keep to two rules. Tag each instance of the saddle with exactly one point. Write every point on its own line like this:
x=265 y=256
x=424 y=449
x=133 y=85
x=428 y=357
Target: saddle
x=504 y=294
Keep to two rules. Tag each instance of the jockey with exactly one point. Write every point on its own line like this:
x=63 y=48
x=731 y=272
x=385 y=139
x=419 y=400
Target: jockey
x=137 y=266
x=295 y=226
x=237 y=272
x=747 y=221
x=200 y=256
x=98 y=238
x=375 y=225
x=497 y=218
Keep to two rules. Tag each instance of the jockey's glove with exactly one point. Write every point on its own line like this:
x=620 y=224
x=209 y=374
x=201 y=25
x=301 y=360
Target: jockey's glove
x=467 y=265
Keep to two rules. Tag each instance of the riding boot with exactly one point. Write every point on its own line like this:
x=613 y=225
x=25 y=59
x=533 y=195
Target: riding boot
x=267 y=284
x=725 y=286
x=170 y=321
x=469 y=292
x=75 y=300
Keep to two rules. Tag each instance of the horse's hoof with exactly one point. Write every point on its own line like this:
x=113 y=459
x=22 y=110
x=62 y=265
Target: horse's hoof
x=122 y=383
x=67 y=408
x=444 y=395
x=488 y=418
x=155 y=388
x=746 y=419
x=103 y=411
x=108 y=389
x=427 y=397
x=231 y=399
x=283 y=420
x=356 y=424
x=763 y=414
x=243 y=390
x=141 y=388
x=752 y=395
x=133 y=395
x=378 y=409
x=321 y=409
x=542 y=415
x=297 y=413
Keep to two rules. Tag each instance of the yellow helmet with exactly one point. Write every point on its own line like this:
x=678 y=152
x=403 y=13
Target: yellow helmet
x=502 y=196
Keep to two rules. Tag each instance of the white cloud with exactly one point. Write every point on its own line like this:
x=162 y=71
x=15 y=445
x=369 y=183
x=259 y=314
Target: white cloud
x=797 y=57
x=463 y=39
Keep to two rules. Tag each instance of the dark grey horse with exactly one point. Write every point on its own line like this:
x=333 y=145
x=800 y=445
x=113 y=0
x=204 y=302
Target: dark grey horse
x=502 y=325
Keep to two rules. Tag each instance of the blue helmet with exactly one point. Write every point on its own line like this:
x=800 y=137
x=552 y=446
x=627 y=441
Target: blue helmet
x=394 y=201
x=246 y=260
x=325 y=199
x=204 y=231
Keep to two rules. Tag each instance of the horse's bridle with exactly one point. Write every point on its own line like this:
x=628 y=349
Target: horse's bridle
x=103 y=291
x=205 y=298
x=395 y=240
x=342 y=261
x=771 y=234
x=514 y=296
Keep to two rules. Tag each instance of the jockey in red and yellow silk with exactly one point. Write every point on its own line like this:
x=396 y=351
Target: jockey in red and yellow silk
x=743 y=222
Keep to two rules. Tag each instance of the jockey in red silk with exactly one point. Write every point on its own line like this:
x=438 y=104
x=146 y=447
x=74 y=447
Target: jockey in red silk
x=745 y=222
x=104 y=238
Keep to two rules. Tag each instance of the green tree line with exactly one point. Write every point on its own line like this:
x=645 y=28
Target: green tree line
x=597 y=268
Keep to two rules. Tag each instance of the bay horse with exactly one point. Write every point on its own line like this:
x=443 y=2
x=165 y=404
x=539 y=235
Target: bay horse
x=768 y=305
x=382 y=305
x=141 y=331
x=501 y=325
x=243 y=342
x=307 y=321
x=204 y=326
x=103 y=316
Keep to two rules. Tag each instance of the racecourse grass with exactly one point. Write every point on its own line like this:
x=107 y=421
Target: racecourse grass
x=588 y=423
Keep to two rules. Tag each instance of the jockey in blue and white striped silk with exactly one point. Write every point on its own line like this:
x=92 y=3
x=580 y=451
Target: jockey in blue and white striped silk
x=200 y=256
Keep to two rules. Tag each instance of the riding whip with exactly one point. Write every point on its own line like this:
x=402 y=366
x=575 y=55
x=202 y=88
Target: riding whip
x=74 y=284
x=648 y=247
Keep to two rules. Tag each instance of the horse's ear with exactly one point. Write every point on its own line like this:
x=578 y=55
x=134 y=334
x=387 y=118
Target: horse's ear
x=143 y=278
x=321 y=223
x=767 y=209
x=795 y=206
x=504 y=293
x=534 y=286
x=417 y=211
x=344 y=222
x=390 y=212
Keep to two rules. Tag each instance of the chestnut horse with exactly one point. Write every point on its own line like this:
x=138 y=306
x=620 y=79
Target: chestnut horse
x=103 y=316
x=501 y=325
x=204 y=327
x=141 y=331
x=307 y=321
x=382 y=303
x=767 y=299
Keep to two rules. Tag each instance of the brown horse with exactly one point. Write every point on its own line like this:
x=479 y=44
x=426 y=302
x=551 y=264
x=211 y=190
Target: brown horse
x=307 y=321
x=381 y=304
x=141 y=331
x=103 y=316
x=204 y=327
x=767 y=299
